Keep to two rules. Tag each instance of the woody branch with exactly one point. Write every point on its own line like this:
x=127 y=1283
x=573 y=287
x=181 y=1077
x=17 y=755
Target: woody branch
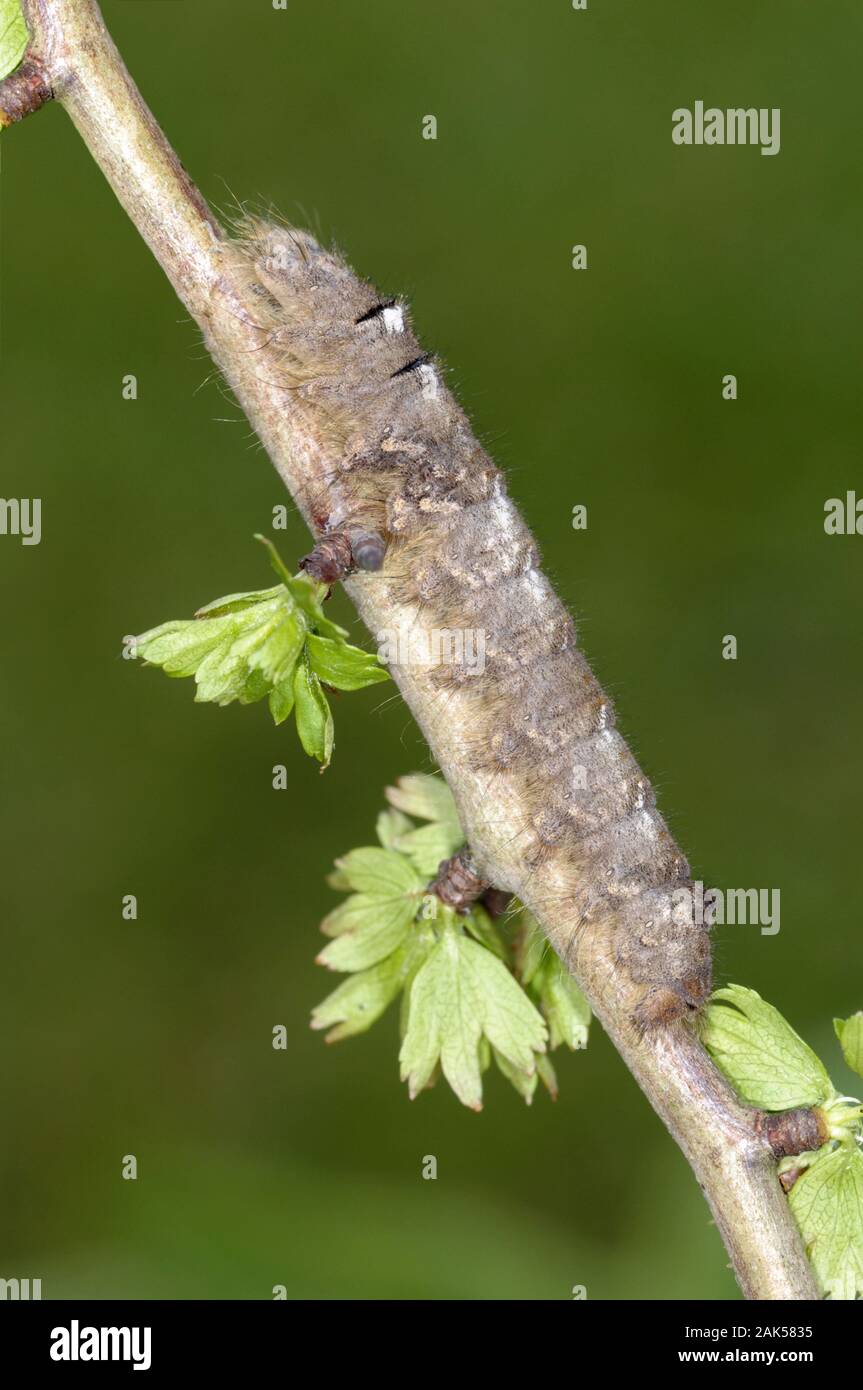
x=732 y=1161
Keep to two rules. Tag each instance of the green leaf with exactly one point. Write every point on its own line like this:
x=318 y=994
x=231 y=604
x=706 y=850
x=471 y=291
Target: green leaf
x=306 y=592
x=309 y=596
x=373 y=935
x=314 y=720
x=384 y=917
x=827 y=1202
x=14 y=37
x=238 y=603
x=342 y=666
x=760 y=1054
x=531 y=948
x=275 y=558
x=564 y=1007
x=358 y=911
x=428 y=798
x=460 y=994
x=380 y=871
x=237 y=650
x=524 y=1082
x=179 y=647
x=273 y=643
x=390 y=826
x=526 y=1085
x=482 y=929
x=849 y=1031
x=360 y=1000
x=548 y=982
x=220 y=677
x=268 y=643
x=547 y=1074
x=430 y=844
x=424 y=796
x=281 y=700
x=337 y=880
x=256 y=687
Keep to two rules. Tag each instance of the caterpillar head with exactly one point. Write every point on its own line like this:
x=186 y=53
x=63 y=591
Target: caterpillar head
x=669 y=954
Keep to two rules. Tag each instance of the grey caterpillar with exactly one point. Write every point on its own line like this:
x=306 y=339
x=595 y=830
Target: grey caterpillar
x=405 y=469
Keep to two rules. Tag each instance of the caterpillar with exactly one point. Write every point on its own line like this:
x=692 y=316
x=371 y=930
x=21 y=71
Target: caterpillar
x=404 y=468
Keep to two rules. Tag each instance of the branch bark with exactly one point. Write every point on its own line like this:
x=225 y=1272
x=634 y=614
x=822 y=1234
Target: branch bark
x=731 y=1160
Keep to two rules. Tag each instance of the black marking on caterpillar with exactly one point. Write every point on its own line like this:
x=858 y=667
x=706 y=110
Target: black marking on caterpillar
x=403 y=465
x=413 y=365
x=376 y=311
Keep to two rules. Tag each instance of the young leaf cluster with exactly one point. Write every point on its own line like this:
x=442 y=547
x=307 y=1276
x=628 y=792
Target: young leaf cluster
x=274 y=644
x=774 y=1069
x=14 y=37
x=472 y=992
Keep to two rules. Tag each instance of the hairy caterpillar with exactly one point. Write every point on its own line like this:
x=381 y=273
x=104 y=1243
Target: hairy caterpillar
x=403 y=465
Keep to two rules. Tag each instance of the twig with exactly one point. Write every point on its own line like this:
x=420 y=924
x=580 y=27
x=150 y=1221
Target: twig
x=732 y=1162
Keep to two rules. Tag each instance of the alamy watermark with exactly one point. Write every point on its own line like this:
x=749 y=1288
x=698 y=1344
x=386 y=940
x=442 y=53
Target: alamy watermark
x=844 y=515
x=20 y=1290
x=742 y=907
x=77 y=1343
x=737 y=125
x=437 y=646
x=21 y=516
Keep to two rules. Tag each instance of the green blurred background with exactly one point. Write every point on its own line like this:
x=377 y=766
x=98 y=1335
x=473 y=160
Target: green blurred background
x=601 y=387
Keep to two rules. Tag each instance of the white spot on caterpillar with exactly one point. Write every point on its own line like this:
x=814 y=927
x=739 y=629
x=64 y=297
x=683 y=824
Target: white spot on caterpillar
x=430 y=381
x=537 y=587
x=394 y=319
